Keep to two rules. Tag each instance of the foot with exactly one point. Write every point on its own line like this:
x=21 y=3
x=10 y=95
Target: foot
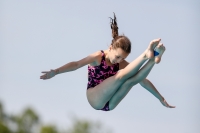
x=158 y=52
x=150 y=50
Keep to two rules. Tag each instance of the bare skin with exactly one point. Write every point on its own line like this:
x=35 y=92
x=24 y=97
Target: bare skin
x=115 y=88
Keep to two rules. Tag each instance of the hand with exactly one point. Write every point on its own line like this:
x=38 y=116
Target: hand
x=164 y=103
x=48 y=74
x=150 y=50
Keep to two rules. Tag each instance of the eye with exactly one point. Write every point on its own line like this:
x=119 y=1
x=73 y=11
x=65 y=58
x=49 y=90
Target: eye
x=117 y=57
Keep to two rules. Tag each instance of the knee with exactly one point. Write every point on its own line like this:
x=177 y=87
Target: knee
x=132 y=81
x=120 y=76
x=96 y=106
x=139 y=79
x=111 y=107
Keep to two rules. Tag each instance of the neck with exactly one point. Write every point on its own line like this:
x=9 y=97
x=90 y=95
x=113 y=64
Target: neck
x=107 y=58
x=106 y=54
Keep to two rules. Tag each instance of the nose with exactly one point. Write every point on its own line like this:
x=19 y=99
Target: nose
x=119 y=60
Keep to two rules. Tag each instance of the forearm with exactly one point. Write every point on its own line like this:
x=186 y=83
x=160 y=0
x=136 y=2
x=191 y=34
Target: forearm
x=151 y=88
x=71 y=66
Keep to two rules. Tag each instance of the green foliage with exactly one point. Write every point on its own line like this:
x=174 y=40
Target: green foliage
x=4 y=128
x=2 y=114
x=80 y=127
x=85 y=126
x=48 y=129
x=28 y=122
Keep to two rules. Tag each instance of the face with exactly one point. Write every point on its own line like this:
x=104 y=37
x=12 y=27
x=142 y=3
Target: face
x=117 y=55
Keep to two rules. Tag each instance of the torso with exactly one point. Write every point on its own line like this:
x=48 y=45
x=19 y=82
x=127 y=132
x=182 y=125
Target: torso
x=98 y=61
x=100 y=70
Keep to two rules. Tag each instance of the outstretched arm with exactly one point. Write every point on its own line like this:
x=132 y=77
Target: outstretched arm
x=71 y=66
x=150 y=87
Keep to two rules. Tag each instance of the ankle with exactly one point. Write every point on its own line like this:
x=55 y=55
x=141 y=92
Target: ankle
x=144 y=55
x=152 y=60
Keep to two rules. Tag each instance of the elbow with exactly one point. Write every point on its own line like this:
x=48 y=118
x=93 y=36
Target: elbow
x=77 y=65
x=74 y=65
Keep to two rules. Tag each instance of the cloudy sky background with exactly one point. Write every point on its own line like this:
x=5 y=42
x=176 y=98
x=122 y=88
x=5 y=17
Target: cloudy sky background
x=39 y=35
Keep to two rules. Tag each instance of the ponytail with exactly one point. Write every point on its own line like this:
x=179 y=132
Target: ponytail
x=119 y=41
x=113 y=25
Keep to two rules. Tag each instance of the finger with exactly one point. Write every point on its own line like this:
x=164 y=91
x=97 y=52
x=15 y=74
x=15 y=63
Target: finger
x=160 y=44
x=42 y=77
x=157 y=40
x=172 y=106
x=168 y=105
x=45 y=71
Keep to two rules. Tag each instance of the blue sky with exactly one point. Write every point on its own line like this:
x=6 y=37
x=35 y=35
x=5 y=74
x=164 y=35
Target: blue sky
x=41 y=35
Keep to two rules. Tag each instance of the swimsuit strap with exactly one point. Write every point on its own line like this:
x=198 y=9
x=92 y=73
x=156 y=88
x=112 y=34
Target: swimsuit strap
x=103 y=54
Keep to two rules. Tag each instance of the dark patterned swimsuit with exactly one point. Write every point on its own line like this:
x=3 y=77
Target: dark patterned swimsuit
x=97 y=74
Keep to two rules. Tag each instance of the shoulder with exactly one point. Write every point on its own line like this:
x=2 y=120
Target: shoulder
x=90 y=59
x=123 y=64
x=96 y=55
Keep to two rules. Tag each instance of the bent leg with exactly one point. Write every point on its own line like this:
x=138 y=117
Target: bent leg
x=102 y=93
x=125 y=88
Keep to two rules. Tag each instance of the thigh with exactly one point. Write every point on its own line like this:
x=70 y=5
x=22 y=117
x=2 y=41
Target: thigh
x=102 y=93
x=122 y=91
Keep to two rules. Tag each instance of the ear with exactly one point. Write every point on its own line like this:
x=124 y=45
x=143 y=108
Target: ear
x=111 y=47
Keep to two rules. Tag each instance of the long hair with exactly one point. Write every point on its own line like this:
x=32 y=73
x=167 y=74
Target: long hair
x=119 y=41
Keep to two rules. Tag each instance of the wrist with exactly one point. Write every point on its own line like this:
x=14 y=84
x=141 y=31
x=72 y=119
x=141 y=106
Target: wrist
x=56 y=71
x=162 y=98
